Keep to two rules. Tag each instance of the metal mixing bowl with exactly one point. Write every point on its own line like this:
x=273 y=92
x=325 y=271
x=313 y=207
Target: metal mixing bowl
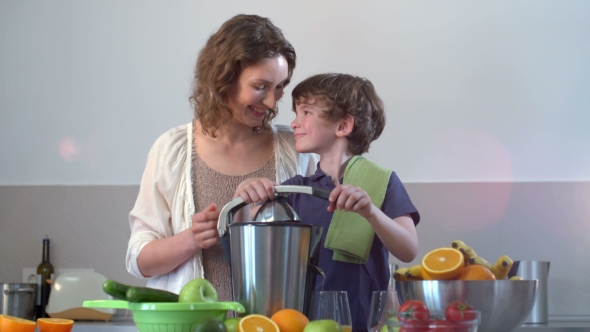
x=504 y=304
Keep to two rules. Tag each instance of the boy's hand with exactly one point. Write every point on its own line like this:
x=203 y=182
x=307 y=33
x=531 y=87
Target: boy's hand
x=350 y=199
x=256 y=190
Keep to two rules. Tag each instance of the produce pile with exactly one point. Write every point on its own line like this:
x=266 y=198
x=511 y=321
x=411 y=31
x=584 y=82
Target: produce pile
x=201 y=290
x=457 y=262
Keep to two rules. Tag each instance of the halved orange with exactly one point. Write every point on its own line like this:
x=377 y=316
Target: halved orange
x=16 y=324
x=257 y=323
x=55 y=324
x=443 y=263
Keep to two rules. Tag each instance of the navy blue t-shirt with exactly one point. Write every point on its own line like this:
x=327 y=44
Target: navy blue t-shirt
x=358 y=280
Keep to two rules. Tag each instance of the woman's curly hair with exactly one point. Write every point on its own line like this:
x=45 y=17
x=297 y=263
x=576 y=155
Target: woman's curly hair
x=240 y=42
x=343 y=95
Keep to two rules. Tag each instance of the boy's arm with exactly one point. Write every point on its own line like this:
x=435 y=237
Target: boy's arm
x=397 y=235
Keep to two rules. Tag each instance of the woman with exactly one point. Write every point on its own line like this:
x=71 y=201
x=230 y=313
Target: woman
x=240 y=75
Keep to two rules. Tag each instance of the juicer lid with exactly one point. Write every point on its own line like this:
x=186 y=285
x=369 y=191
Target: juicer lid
x=277 y=209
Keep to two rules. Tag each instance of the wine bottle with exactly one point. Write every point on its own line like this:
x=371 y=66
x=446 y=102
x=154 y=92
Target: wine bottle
x=44 y=273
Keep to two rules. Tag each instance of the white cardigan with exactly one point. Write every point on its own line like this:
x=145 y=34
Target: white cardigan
x=165 y=202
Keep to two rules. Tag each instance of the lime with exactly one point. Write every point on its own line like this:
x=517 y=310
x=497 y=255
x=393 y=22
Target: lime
x=232 y=324
x=209 y=324
x=323 y=325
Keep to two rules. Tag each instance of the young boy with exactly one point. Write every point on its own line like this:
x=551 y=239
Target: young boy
x=337 y=117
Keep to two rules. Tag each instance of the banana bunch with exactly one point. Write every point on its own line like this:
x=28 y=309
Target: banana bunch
x=467 y=251
x=500 y=268
x=400 y=274
x=413 y=272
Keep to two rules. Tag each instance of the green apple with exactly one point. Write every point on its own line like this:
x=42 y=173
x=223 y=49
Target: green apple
x=323 y=325
x=198 y=290
x=232 y=324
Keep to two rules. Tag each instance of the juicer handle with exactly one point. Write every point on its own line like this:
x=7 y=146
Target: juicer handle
x=317 y=192
x=226 y=215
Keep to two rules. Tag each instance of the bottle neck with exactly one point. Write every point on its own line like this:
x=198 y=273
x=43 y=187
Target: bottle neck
x=45 y=250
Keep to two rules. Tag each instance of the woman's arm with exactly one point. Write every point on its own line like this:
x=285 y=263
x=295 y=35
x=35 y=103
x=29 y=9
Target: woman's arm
x=157 y=220
x=164 y=255
x=253 y=190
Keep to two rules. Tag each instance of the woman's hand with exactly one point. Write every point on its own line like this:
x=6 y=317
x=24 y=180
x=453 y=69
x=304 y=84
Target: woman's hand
x=161 y=256
x=256 y=190
x=204 y=227
x=350 y=199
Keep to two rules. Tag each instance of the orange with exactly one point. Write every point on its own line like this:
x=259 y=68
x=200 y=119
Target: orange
x=443 y=263
x=257 y=323
x=15 y=324
x=290 y=320
x=476 y=272
x=425 y=275
x=54 y=324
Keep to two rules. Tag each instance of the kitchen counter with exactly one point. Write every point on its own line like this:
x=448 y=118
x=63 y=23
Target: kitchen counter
x=554 y=326
x=104 y=327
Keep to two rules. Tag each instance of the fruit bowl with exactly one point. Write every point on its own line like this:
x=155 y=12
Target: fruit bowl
x=169 y=316
x=437 y=322
x=503 y=304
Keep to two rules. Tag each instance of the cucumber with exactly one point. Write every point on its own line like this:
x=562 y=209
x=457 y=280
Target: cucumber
x=146 y=294
x=115 y=289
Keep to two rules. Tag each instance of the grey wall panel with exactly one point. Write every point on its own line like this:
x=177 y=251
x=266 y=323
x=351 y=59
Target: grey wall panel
x=549 y=221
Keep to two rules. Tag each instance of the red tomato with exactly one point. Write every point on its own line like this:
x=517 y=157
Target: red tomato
x=459 y=312
x=413 y=309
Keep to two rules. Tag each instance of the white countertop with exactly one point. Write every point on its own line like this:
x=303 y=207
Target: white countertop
x=555 y=326
x=104 y=327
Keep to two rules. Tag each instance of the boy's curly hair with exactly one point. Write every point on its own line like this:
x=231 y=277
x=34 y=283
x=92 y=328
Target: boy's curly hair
x=240 y=42
x=343 y=95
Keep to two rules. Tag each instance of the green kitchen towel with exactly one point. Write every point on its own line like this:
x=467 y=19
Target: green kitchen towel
x=350 y=235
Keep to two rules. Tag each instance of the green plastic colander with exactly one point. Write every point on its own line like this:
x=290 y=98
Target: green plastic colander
x=169 y=316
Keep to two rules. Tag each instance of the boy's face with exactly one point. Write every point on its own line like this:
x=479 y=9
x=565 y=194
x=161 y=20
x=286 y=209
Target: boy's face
x=313 y=133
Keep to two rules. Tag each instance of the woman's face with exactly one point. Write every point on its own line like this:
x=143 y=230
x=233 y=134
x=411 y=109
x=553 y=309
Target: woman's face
x=257 y=89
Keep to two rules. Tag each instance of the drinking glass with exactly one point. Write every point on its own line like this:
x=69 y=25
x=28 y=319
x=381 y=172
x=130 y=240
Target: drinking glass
x=332 y=305
x=384 y=305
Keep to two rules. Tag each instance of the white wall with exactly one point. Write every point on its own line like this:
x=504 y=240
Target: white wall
x=475 y=91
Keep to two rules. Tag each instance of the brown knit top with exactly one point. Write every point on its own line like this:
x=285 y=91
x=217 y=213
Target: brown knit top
x=210 y=186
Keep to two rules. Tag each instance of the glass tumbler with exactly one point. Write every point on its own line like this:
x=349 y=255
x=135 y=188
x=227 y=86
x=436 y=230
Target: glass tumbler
x=384 y=305
x=332 y=305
